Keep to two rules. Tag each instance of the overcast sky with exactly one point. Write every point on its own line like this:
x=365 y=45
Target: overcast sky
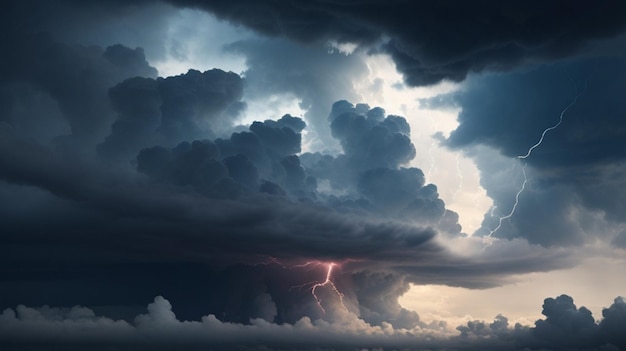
x=314 y=175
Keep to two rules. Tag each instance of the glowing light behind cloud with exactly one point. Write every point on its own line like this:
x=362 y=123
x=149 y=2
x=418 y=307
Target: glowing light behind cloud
x=195 y=40
x=522 y=298
x=455 y=175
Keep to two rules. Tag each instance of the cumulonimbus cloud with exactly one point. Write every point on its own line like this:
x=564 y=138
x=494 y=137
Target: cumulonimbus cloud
x=128 y=197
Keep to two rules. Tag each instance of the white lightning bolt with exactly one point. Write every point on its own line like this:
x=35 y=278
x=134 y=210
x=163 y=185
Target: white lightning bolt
x=527 y=155
x=543 y=135
x=519 y=192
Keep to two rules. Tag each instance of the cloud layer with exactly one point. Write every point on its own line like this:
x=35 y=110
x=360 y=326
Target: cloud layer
x=565 y=325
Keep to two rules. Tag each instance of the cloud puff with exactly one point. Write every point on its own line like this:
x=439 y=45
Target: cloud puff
x=565 y=325
x=612 y=324
x=368 y=138
x=170 y=110
x=226 y=167
x=369 y=172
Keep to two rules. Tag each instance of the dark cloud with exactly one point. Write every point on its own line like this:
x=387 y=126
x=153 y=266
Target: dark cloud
x=137 y=103
x=378 y=293
x=498 y=328
x=612 y=324
x=391 y=189
x=76 y=78
x=577 y=167
x=54 y=90
x=375 y=146
x=202 y=215
x=87 y=23
x=567 y=326
x=510 y=111
x=170 y=110
x=242 y=170
x=279 y=138
x=370 y=140
x=228 y=166
x=543 y=211
x=192 y=98
x=434 y=41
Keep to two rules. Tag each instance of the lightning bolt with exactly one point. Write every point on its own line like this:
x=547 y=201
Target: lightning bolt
x=327 y=282
x=517 y=195
x=527 y=155
x=313 y=286
x=493 y=210
x=543 y=135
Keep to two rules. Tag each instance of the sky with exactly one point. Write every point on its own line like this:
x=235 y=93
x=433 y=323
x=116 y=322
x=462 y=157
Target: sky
x=312 y=175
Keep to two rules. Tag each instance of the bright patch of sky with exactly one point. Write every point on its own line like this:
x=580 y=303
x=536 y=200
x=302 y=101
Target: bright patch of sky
x=195 y=40
x=521 y=300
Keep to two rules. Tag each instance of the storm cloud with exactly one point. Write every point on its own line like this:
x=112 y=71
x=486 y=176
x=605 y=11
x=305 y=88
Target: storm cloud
x=170 y=110
x=121 y=189
x=432 y=41
x=576 y=168
x=195 y=211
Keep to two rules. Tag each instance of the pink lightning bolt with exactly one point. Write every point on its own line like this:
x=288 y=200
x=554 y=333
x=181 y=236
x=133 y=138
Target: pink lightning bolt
x=327 y=282
x=314 y=285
